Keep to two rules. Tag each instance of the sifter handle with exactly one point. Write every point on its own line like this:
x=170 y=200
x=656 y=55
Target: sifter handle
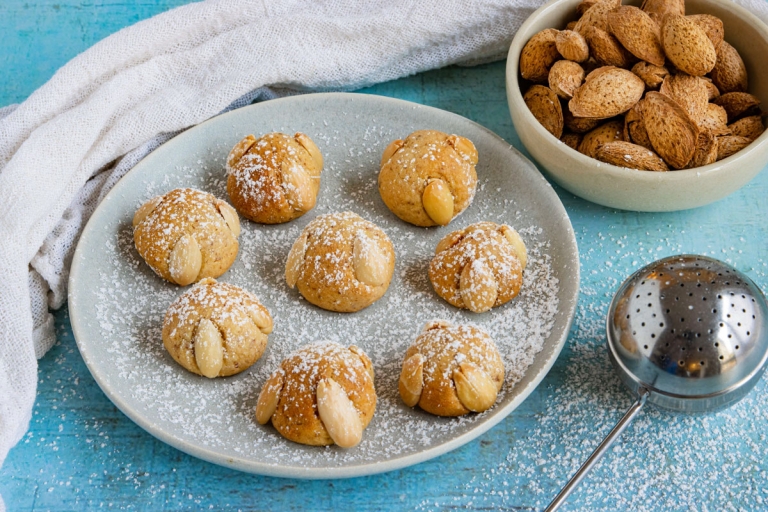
x=600 y=450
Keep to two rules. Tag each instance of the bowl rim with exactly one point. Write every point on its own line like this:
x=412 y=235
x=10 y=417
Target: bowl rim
x=515 y=98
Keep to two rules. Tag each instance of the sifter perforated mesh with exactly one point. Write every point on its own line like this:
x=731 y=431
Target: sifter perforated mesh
x=687 y=333
x=689 y=326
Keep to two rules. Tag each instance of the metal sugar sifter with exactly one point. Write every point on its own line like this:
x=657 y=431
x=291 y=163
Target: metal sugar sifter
x=687 y=333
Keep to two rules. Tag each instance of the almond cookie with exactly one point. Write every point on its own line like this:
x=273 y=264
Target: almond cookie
x=429 y=178
x=479 y=267
x=320 y=395
x=275 y=178
x=451 y=370
x=341 y=262
x=186 y=235
x=216 y=329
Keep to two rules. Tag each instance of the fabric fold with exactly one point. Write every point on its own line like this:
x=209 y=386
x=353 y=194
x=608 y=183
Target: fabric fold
x=64 y=147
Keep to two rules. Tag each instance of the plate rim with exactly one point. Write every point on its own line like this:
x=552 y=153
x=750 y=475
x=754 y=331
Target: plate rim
x=364 y=468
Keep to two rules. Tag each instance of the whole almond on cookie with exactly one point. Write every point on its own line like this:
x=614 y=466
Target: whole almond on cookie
x=538 y=56
x=687 y=46
x=545 y=107
x=608 y=132
x=572 y=45
x=711 y=25
x=690 y=92
x=607 y=92
x=632 y=156
x=750 y=127
x=738 y=105
x=729 y=73
x=638 y=33
x=671 y=130
x=606 y=49
x=565 y=77
x=730 y=144
x=652 y=75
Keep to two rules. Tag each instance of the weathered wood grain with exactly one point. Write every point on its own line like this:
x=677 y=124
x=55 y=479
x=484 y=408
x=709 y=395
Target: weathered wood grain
x=82 y=453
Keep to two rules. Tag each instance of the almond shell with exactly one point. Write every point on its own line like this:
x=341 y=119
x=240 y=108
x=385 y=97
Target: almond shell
x=671 y=130
x=607 y=92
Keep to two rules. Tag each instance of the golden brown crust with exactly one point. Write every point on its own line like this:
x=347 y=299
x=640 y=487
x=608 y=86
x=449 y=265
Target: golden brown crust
x=273 y=179
x=444 y=348
x=235 y=313
x=296 y=416
x=427 y=155
x=326 y=274
x=180 y=212
x=482 y=247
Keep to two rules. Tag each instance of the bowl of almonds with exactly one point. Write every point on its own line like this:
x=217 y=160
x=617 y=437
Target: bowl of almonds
x=652 y=106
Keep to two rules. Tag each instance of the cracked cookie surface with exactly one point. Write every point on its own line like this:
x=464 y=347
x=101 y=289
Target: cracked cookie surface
x=479 y=267
x=341 y=262
x=216 y=329
x=275 y=178
x=428 y=178
x=186 y=235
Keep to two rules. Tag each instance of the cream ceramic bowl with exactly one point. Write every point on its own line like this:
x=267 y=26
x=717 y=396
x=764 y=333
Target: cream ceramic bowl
x=630 y=189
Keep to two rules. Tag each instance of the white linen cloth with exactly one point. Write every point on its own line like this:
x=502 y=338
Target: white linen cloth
x=64 y=147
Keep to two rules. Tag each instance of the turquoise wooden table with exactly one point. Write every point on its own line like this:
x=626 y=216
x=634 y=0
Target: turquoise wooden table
x=82 y=453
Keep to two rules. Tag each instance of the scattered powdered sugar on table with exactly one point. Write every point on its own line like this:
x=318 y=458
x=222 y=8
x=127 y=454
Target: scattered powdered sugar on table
x=218 y=415
x=664 y=460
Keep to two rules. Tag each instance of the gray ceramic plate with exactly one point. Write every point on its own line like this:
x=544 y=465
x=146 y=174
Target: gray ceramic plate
x=117 y=304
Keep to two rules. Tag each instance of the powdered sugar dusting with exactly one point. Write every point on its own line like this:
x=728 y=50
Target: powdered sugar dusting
x=218 y=415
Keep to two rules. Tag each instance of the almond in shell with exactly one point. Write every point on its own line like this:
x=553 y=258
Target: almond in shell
x=538 y=56
x=606 y=49
x=607 y=92
x=584 y=5
x=652 y=75
x=596 y=16
x=572 y=45
x=729 y=73
x=671 y=130
x=750 y=127
x=545 y=107
x=706 y=150
x=608 y=132
x=565 y=77
x=632 y=156
x=712 y=90
x=687 y=46
x=715 y=121
x=579 y=124
x=638 y=33
x=656 y=9
x=712 y=26
x=690 y=92
x=634 y=127
x=572 y=140
x=730 y=144
x=738 y=105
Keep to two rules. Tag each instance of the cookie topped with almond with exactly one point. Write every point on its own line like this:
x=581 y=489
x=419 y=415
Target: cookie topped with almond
x=673 y=82
x=341 y=262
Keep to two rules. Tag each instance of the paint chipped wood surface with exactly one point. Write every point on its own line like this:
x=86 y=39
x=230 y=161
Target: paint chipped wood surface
x=82 y=453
